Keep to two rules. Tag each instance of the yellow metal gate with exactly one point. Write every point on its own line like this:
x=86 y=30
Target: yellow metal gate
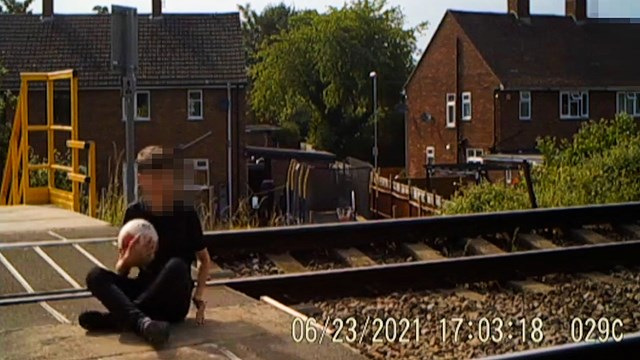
x=16 y=188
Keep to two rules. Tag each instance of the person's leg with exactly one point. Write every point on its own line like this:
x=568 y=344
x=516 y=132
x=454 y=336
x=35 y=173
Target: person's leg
x=168 y=297
x=116 y=292
x=97 y=280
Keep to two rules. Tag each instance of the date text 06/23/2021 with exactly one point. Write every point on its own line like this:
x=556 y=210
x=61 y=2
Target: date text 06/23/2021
x=455 y=330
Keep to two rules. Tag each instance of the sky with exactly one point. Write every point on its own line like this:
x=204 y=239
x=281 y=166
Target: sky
x=416 y=11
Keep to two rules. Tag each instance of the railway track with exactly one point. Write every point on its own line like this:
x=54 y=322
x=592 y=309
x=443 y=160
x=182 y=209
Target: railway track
x=497 y=267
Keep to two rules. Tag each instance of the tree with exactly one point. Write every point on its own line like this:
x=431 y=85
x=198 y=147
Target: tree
x=315 y=74
x=599 y=165
x=17 y=7
x=258 y=28
x=100 y=10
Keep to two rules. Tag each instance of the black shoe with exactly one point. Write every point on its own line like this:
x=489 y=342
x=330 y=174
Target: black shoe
x=154 y=332
x=98 y=321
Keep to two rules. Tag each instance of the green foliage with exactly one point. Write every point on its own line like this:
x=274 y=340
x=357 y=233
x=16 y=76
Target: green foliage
x=488 y=197
x=39 y=178
x=599 y=165
x=259 y=28
x=17 y=7
x=100 y=10
x=318 y=70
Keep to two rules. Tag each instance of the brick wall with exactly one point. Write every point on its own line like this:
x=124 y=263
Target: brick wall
x=100 y=119
x=436 y=76
x=515 y=134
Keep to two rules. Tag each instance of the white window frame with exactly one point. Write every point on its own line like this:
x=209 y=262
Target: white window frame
x=628 y=95
x=430 y=153
x=508 y=177
x=199 y=167
x=466 y=100
x=525 y=99
x=579 y=97
x=474 y=155
x=451 y=104
x=135 y=107
x=200 y=100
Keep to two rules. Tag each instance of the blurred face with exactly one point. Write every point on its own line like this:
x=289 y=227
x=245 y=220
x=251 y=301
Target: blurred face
x=157 y=185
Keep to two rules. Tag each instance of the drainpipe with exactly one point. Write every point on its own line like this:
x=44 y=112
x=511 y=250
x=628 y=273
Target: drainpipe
x=458 y=109
x=229 y=151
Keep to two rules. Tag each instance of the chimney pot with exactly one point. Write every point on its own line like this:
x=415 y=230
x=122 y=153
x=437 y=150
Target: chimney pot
x=47 y=8
x=520 y=8
x=156 y=7
x=576 y=9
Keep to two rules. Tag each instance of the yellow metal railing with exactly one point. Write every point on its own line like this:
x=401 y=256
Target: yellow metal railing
x=16 y=188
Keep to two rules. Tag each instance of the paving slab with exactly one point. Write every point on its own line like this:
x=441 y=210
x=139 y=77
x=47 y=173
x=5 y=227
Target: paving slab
x=30 y=218
x=249 y=331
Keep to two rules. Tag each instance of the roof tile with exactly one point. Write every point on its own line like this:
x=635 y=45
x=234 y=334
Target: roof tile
x=177 y=49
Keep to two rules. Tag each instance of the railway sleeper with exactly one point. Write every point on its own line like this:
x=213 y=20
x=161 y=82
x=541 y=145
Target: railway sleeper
x=630 y=230
x=480 y=246
x=215 y=272
x=422 y=252
x=588 y=237
x=537 y=242
x=287 y=263
x=354 y=257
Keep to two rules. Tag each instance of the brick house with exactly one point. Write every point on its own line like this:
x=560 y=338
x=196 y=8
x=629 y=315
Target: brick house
x=191 y=85
x=491 y=83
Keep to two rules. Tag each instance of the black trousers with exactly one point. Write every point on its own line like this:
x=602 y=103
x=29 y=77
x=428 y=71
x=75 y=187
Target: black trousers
x=167 y=297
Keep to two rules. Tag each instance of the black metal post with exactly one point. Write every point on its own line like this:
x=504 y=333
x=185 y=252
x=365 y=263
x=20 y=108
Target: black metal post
x=527 y=175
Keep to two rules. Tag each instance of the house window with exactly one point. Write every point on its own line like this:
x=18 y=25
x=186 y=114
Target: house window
x=474 y=155
x=574 y=105
x=197 y=175
x=508 y=177
x=141 y=106
x=466 y=106
x=194 y=104
x=628 y=102
x=451 y=110
x=431 y=155
x=525 y=105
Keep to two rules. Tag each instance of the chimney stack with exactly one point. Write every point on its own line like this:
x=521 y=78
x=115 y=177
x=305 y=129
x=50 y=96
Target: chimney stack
x=156 y=7
x=47 y=8
x=576 y=9
x=520 y=8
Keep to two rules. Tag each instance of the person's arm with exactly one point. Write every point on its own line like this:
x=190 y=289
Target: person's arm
x=203 y=272
x=202 y=254
x=122 y=267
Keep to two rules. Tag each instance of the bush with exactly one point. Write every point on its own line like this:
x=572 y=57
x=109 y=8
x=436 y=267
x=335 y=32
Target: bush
x=488 y=197
x=600 y=164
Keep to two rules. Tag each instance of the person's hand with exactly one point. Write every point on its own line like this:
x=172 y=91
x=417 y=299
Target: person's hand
x=139 y=252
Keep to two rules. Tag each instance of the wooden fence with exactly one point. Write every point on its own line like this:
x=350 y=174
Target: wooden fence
x=395 y=199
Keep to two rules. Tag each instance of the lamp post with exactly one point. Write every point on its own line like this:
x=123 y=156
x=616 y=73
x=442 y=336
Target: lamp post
x=374 y=76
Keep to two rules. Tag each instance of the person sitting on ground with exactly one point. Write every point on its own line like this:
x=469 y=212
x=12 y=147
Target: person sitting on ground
x=161 y=293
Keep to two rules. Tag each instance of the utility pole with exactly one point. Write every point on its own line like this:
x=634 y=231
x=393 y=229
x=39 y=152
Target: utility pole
x=124 y=60
x=374 y=76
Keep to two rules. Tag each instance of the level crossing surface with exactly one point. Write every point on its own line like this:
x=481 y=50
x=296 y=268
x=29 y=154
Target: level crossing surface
x=57 y=251
x=26 y=267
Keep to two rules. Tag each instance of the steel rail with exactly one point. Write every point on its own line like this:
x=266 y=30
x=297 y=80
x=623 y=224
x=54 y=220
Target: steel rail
x=295 y=288
x=623 y=349
x=305 y=237
x=337 y=235
x=300 y=287
x=49 y=243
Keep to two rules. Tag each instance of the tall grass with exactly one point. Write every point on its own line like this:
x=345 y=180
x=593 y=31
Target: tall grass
x=112 y=203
